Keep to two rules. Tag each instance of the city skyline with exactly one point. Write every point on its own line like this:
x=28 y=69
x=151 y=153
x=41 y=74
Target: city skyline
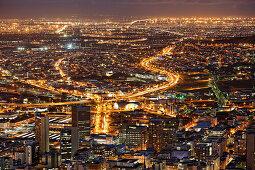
x=127 y=84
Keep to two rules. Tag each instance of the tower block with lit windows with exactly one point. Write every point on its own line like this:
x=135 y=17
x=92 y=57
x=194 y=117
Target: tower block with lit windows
x=42 y=132
x=81 y=120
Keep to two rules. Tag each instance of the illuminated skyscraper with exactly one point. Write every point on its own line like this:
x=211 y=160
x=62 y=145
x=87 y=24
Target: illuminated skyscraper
x=155 y=134
x=81 y=120
x=32 y=153
x=42 y=132
x=68 y=143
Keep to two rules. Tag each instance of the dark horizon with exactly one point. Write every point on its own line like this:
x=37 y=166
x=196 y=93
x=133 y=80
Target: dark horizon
x=139 y=8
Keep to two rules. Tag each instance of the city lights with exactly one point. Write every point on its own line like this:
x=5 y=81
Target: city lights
x=127 y=92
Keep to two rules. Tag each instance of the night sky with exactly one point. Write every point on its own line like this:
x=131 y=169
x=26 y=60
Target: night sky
x=83 y=8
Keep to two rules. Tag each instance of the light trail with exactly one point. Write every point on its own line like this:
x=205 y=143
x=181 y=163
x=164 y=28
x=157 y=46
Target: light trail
x=141 y=20
x=61 y=29
x=196 y=88
x=122 y=42
x=57 y=66
x=173 y=78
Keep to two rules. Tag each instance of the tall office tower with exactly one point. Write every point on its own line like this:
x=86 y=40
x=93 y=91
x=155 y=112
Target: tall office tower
x=162 y=132
x=250 y=146
x=155 y=134
x=81 y=120
x=32 y=153
x=134 y=136
x=51 y=159
x=69 y=143
x=240 y=143
x=169 y=131
x=42 y=132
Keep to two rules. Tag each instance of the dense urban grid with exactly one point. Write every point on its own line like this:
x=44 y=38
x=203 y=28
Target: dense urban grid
x=127 y=93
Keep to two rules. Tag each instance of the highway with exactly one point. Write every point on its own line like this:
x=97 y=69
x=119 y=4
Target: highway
x=173 y=78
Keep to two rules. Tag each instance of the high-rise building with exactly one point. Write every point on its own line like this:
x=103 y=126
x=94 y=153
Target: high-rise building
x=240 y=143
x=32 y=153
x=68 y=143
x=155 y=134
x=162 y=132
x=250 y=152
x=42 y=132
x=169 y=130
x=81 y=120
x=134 y=136
x=51 y=159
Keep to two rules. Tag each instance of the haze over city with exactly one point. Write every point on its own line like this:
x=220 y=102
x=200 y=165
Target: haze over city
x=83 y=8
